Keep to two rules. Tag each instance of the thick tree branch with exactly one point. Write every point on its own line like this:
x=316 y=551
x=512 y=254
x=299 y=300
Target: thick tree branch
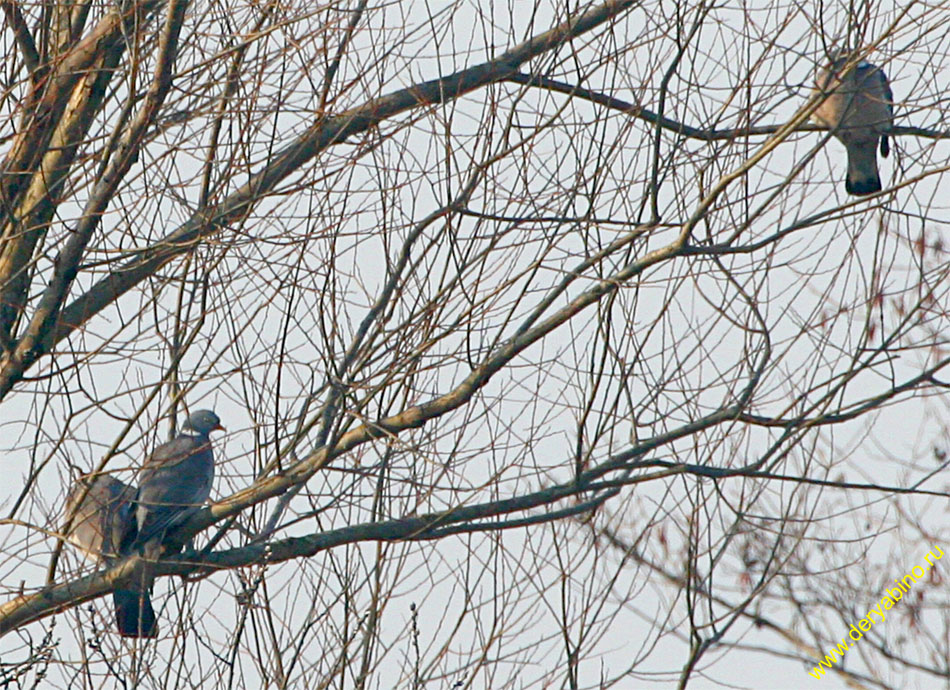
x=458 y=520
x=56 y=120
x=49 y=600
x=321 y=135
x=17 y=24
x=67 y=262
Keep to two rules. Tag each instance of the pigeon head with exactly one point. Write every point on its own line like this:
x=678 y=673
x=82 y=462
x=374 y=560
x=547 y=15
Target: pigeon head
x=203 y=421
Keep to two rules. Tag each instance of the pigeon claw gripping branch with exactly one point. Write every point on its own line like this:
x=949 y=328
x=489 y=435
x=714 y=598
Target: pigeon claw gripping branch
x=876 y=614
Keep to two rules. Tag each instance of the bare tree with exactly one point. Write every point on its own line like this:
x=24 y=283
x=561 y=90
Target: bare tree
x=551 y=349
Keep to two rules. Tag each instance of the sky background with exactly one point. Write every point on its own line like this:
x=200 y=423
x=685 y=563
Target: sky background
x=683 y=332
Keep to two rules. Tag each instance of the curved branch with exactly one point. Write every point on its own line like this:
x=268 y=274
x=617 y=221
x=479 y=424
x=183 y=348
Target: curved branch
x=681 y=128
x=49 y=600
x=321 y=135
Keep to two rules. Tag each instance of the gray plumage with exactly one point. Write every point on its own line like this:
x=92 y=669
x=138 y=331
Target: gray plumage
x=859 y=111
x=176 y=479
x=103 y=520
x=174 y=483
x=113 y=520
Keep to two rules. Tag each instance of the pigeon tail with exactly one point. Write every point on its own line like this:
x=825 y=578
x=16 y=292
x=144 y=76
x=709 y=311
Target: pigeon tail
x=134 y=616
x=863 y=177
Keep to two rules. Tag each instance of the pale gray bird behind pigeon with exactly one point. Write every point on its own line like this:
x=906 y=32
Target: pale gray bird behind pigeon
x=103 y=519
x=102 y=512
x=859 y=111
x=174 y=483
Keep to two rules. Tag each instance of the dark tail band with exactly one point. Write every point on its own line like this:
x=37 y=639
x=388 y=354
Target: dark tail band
x=134 y=616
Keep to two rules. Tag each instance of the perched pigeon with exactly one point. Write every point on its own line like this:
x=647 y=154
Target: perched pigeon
x=103 y=518
x=176 y=479
x=859 y=111
x=174 y=483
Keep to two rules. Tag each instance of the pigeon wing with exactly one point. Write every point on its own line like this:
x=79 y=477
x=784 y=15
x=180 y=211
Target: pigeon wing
x=175 y=482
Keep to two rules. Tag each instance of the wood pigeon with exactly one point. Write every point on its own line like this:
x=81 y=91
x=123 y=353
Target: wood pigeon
x=103 y=518
x=176 y=479
x=859 y=111
x=174 y=483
